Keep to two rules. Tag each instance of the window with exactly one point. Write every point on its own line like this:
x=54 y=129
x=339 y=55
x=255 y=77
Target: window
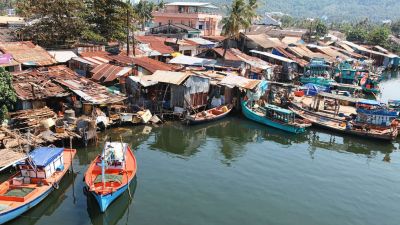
x=200 y=27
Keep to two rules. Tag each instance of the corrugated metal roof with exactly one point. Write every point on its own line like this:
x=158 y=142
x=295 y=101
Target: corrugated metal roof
x=201 y=41
x=265 y=41
x=62 y=56
x=108 y=72
x=151 y=65
x=277 y=57
x=190 y=60
x=36 y=84
x=143 y=81
x=156 y=43
x=168 y=77
x=238 y=81
x=25 y=52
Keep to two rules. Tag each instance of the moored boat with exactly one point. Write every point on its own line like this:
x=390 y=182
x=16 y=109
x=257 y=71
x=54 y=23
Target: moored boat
x=210 y=115
x=110 y=174
x=36 y=178
x=343 y=126
x=275 y=116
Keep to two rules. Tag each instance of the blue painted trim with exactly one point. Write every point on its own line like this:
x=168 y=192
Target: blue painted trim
x=105 y=200
x=12 y=214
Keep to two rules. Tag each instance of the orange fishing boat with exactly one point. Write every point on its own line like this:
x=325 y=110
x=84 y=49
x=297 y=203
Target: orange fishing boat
x=36 y=178
x=110 y=174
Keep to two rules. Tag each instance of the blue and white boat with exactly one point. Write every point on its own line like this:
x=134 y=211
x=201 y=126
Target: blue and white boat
x=274 y=116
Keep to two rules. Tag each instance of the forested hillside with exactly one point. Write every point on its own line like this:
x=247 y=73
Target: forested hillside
x=338 y=10
x=334 y=10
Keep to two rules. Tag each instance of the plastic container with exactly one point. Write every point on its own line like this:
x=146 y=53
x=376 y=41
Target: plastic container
x=299 y=93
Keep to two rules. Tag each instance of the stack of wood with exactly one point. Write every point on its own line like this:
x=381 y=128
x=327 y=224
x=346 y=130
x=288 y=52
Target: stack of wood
x=10 y=139
x=31 y=118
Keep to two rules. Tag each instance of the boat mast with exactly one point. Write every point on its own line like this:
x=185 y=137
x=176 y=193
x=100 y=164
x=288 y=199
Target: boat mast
x=102 y=166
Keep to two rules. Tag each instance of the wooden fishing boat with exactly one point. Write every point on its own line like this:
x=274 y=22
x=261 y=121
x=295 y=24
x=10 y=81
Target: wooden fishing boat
x=276 y=117
x=339 y=125
x=110 y=174
x=36 y=178
x=209 y=115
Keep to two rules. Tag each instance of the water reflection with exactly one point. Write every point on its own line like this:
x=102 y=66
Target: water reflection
x=49 y=205
x=390 y=86
x=115 y=212
x=232 y=134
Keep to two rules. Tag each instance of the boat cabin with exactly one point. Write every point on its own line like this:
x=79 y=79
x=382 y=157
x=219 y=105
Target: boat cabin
x=277 y=113
x=40 y=165
x=375 y=113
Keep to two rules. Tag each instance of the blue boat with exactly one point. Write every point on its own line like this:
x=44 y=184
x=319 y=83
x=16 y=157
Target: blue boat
x=36 y=178
x=276 y=117
x=110 y=174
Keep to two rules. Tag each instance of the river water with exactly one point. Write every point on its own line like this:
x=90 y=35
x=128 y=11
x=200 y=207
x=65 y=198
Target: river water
x=235 y=171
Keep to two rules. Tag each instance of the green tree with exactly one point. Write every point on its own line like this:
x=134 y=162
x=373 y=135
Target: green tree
x=56 y=22
x=320 y=28
x=234 y=22
x=250 y=16
x=395 y=27
x=287 y=21
x=143 y=11
x=379 y=36
x=357 y=34
x=107 y=19
x=7 y=94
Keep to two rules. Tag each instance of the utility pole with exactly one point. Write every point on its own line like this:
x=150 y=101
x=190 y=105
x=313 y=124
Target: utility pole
x=127 y=29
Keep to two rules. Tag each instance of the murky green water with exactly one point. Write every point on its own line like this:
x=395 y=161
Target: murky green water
x=238 y=172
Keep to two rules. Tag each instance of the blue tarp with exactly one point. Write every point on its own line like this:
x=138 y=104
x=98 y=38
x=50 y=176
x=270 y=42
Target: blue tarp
x=380 y=112
x=369 y=102
x=43 y=156
x=313 y=89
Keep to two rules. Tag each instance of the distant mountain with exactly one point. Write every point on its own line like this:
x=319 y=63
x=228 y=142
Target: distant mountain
x=337 y=10
x=332 y=10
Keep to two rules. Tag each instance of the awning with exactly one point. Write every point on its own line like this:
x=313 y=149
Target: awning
x=142 y=80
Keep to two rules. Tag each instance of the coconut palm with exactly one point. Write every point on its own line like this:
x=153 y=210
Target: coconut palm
x=250 y=15
x=144 y=10
x=234 y=22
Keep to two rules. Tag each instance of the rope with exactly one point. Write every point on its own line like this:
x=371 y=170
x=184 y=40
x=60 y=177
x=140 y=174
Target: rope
x=126 y=171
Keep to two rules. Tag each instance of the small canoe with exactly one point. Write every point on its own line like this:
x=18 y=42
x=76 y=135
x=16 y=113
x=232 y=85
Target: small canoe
x=209 y=115
x=339 y=125
x=110 y=174
x=276 y=117
x=36 y=178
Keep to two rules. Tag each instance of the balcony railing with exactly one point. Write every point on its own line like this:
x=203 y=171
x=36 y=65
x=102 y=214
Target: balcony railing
x=187 y=13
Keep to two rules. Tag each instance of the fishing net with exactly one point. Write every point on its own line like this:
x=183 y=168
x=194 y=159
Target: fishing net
x=19 y=192
x=109 y=178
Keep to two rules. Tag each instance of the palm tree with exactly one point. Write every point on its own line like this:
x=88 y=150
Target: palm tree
x=234 y=22
x=250 y=15
x=144 y=10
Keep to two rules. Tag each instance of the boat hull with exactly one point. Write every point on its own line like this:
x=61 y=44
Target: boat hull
x=105 y=200
x=263 y=120
x=323 y=123
x=16 y=212
x=105 y=192
x=10 y=215
x=193 y=121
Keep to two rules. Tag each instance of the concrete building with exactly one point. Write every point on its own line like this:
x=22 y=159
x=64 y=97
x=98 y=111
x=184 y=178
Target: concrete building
x=202 y=16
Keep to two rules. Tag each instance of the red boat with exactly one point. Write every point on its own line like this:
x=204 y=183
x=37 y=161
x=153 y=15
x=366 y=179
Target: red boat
x=110 y=174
